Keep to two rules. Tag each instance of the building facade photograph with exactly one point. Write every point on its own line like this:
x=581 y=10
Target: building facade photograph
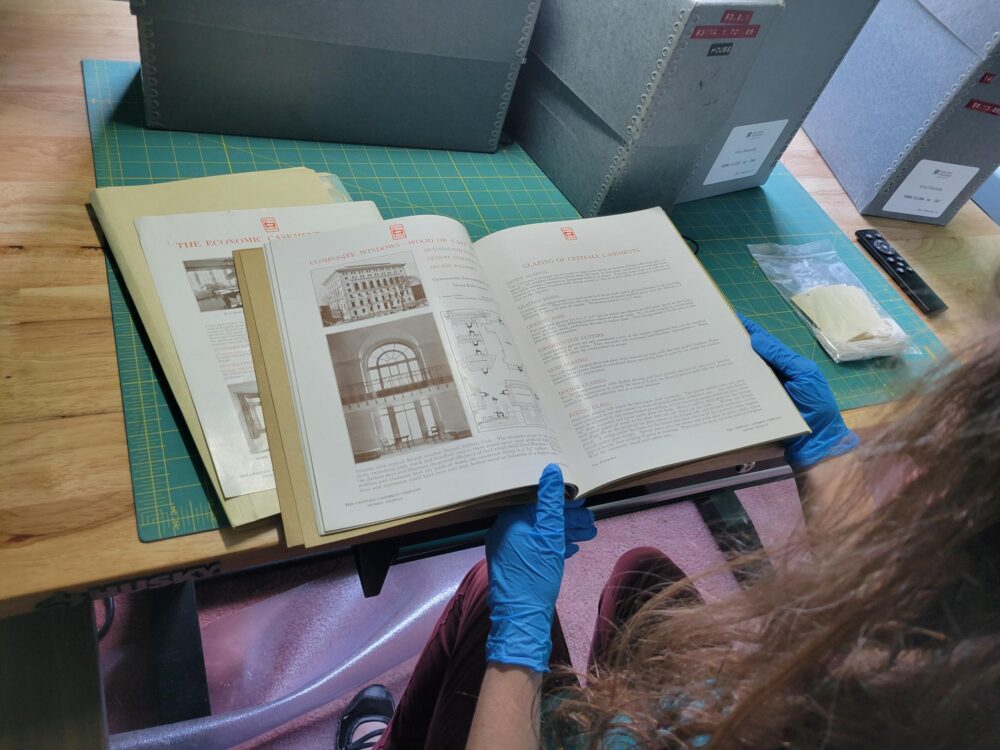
x=368 y=290
x=396 y=387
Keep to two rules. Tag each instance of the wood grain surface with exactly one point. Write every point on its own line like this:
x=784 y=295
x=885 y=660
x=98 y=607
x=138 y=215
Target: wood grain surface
x=66 y=514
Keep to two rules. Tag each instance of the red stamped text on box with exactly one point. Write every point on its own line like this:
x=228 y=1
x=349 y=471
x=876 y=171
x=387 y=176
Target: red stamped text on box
x=740 y=17
x=987 y=77
x=980 y=106
x=269 y=223
x=398 y=231
x=726 y=32
x=568 y=233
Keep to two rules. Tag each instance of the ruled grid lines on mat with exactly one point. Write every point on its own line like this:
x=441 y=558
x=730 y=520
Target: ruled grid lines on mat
x=783 y=212
x=486 y=192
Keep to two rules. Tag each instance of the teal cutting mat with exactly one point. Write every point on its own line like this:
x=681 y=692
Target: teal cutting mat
x=487 y=192
x=783 y=212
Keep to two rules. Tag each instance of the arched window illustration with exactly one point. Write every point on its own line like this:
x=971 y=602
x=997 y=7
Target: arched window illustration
x=393 y=365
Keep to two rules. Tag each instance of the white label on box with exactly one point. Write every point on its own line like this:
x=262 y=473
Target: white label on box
x=929 y=188
x=744 y=151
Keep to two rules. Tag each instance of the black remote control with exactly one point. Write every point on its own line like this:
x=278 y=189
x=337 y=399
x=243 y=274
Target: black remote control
x=907 y=279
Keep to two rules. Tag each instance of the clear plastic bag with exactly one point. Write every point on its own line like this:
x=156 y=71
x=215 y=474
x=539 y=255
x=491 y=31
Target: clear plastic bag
x=846 y=320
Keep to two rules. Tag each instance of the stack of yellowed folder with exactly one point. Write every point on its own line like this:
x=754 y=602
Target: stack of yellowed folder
x=118 y=208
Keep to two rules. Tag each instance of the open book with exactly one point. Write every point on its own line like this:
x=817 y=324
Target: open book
x=405 y=370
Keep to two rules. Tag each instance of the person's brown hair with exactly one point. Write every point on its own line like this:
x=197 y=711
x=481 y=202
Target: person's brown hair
x=884 y=634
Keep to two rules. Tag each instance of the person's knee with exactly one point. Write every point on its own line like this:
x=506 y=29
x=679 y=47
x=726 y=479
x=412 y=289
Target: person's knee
x=470 y=602
x=644 y=571
x=639 y=559
x=476 y=583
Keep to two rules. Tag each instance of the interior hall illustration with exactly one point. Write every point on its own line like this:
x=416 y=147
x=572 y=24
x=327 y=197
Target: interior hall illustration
x=396 y=387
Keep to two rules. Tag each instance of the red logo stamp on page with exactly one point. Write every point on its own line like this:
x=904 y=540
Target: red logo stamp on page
x=269 y=223
x=397 y=231
x=568 y=233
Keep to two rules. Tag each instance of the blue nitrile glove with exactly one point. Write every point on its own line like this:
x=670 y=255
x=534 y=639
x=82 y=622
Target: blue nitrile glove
x=811 y=394
x=525 y=550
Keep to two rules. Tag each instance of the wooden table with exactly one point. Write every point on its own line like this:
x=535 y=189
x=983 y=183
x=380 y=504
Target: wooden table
x=66 y=514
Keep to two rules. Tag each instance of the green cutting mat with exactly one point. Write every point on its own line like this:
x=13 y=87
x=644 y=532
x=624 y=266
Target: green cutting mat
x=487 y=192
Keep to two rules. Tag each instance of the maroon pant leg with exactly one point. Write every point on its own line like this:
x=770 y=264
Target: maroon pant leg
x=637 y=576
x=437 y=707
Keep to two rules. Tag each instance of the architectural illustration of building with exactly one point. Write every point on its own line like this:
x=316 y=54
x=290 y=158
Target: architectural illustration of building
x=367 y=291
x=396 y=387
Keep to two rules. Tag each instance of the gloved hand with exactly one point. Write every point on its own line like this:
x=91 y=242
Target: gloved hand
x=812 y=396
x=525 y=550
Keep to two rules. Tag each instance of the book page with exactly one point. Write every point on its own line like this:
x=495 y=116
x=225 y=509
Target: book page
x=118 y=207
x=645 y=360
x=410 y=392
x=190 y=258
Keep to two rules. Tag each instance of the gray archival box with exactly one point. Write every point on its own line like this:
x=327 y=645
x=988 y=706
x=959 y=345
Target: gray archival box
x=910 y=122
x=618 y=100
x=427 y=73
x=803 y=49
